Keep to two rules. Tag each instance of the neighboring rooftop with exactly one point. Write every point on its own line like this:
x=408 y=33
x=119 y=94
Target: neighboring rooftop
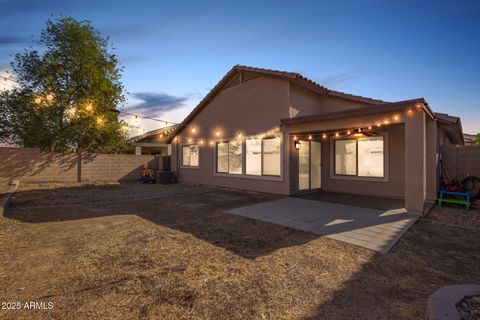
x=158 y=135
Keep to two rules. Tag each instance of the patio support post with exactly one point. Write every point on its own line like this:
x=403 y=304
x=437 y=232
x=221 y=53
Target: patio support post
x=432 y=154
x=415 y=162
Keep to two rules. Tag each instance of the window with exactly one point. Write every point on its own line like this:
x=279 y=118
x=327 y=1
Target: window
x=190 y=155
x=346 y=157
x=370 y=157
x=271 y=156
x=222 y=157
x=235 y=157
x=253 y=156
x=229 y=157
x=262 y=157
x=363 y=157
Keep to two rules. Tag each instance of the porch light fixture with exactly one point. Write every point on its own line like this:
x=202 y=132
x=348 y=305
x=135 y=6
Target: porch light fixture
x=395 y=118
x=297 y=145
x=309 y=137
x=211 y=143
x=194 y=129
x=189 y=140
x=239 y=135
x=295 y=138
x=217 y=133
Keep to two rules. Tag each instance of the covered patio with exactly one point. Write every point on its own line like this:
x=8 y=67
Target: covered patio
x=389 y=151
x=370 y=222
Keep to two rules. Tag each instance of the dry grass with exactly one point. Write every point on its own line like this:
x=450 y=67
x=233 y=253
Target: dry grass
x=180 y=257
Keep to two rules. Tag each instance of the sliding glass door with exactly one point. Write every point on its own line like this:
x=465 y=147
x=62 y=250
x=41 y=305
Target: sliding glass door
x=309 y=165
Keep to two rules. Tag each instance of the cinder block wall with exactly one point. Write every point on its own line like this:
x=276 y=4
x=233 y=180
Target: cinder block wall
x=31 y=165
x=460 y=161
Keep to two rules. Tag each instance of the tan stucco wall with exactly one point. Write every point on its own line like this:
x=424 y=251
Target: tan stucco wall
x=309 y=102
x=395 y=169
x=252 y=107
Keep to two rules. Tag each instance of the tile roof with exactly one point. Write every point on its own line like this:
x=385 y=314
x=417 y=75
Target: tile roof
x=292 y=76
x=298 y=77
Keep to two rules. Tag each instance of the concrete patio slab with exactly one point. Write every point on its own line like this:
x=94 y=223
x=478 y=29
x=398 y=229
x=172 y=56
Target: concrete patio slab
x=374 y=229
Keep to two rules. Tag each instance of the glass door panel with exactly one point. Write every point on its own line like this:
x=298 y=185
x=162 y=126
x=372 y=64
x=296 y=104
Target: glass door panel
x=304 y=166
x=315 y=165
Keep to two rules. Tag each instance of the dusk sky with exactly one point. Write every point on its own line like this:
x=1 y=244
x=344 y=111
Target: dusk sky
x=175 y=52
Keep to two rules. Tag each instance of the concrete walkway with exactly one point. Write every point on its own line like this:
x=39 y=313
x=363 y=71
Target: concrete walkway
x=373 y=229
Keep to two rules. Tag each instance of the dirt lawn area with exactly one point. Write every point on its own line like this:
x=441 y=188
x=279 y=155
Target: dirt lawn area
x=132 y=251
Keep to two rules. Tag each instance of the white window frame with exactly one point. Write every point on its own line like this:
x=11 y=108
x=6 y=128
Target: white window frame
x=198 y=155
x=250 y=176
x=385 y=177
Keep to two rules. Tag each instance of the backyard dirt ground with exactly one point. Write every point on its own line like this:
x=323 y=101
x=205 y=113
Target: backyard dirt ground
x=132 y=251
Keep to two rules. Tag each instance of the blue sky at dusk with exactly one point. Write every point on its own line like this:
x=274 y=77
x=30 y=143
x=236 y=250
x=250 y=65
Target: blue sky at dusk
x=175 y=52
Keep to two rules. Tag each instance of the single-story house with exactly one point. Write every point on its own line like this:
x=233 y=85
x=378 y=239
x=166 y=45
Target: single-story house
x=153 y=142
x=470 y=139
x=279 y=132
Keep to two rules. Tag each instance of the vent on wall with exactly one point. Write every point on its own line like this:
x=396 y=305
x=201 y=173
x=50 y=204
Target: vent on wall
x=240 y=78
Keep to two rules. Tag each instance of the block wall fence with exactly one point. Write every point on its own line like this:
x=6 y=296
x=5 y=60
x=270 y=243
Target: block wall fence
x=32 y=165
x=460 y=161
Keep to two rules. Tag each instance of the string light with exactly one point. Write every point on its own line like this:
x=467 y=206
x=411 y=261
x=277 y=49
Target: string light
x=49 y=97
x=295 y=138
x=189 y=140
x=386 y=122
x=395 y=118
x=72 y=111
x=194 y=129
x=336 y=134
x=348 y=132
x=100 y=121
x=309 y=137
x=324 y=136
x=201 y=142
x=211 y=142
x=369 y=127
x=38 y=100
x=217 y=133
x=239 y=135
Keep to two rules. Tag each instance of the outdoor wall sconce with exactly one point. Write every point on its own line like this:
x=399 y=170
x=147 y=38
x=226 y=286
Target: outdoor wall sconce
x=297 y=145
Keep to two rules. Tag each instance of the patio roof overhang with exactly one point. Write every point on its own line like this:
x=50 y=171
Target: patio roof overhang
x=365 y=111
